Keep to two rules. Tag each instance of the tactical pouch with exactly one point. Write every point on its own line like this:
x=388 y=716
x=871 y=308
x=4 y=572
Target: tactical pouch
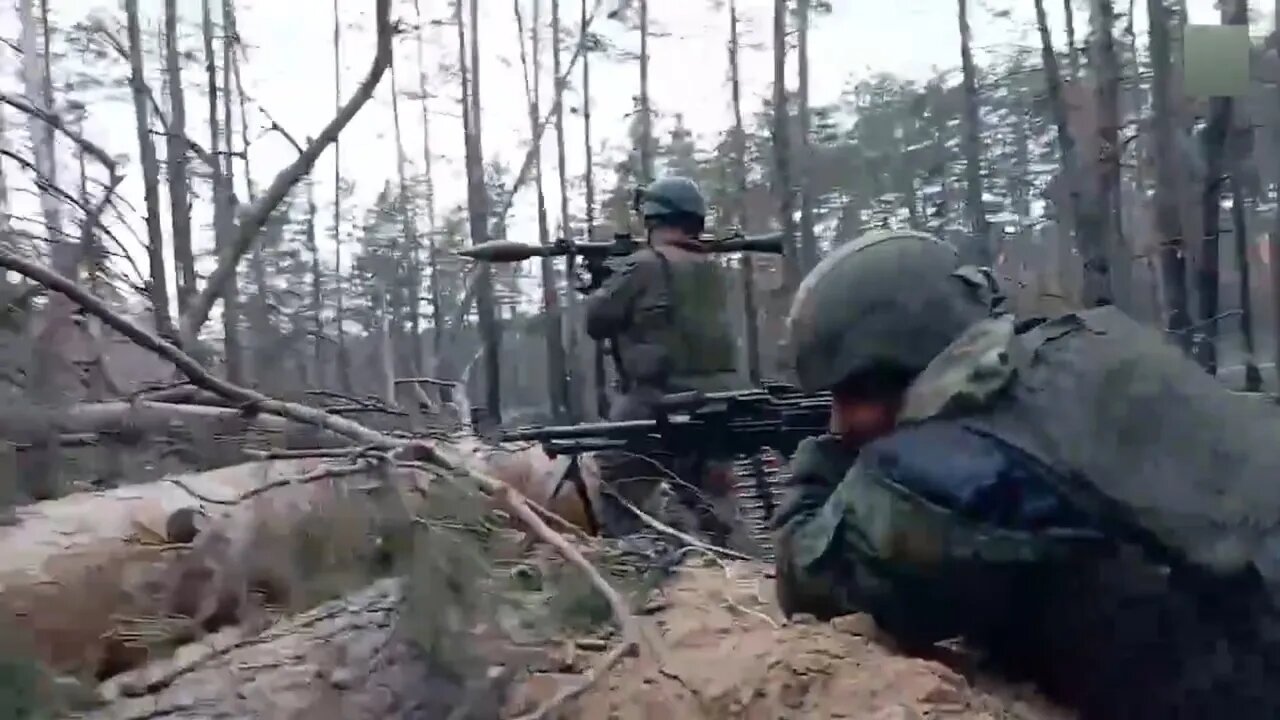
x=697 y=333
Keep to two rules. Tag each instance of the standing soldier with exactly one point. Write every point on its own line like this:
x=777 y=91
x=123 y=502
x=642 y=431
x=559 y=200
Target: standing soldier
x=663 y=311
x=1073 y=495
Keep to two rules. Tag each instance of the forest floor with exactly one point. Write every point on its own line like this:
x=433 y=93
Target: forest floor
x=719 y=649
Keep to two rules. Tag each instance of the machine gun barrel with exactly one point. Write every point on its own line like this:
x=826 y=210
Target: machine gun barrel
x=585 y=430
x=725 y=423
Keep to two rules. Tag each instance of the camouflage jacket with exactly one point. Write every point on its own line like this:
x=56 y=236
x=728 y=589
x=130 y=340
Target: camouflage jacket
x=1063 y=483
x=665 y=313
x=1108 y=430
x=890 y=530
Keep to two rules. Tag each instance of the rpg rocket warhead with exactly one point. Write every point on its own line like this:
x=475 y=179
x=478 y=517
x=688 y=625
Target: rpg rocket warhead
x=501 y=251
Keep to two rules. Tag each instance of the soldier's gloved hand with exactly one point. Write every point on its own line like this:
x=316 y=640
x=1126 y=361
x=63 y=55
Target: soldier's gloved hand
x=818 y=466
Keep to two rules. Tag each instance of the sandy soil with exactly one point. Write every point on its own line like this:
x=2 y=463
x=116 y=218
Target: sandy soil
x=720 y=649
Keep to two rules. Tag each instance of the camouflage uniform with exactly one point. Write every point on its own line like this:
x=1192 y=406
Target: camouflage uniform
x=1073 y=495
x=663 y=310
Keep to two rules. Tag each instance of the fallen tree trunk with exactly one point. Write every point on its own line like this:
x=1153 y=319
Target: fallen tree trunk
x=105 y=444
x=79 y=570
x=137 y=419
x=344 y=660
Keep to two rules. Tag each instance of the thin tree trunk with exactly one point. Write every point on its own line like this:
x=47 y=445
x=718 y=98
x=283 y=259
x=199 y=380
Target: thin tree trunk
x=557 y=380
x=1085 y=219
x=260 y=307
x=492 y=333
x=437 y=311
x=6 y=212
x=1273 y=243
x=978 y=224
x=1173 y=259
x=1073 y=51
x=36 y=85
x=53 y=377
x=91 y=257
x=265 y=372
x=176 y=156
x=599 y=373
x=477 y=206
x=317 y=292
x=150 y=174
x=745 y=264
x=1107 y=190
x=409 y=224
x=808 y=241
x=1240 y=229
x=783 y=187
x=222 y=207
x=646 y=111
x=571 y=304
x=1214 y=149
x=229 y=40
x=1239 y=156
x=1022 y=173
x=46 y=83
x=344 y=358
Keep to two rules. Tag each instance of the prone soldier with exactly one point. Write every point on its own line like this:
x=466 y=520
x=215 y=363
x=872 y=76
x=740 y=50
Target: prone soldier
x=1072 y=495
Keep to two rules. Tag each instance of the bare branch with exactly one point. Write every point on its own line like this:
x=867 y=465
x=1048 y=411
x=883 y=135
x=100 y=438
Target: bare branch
x=58 y=124
x=43 y=183
x=93 y=215
x=278 y=128
x=205 y=156
x=253 y=218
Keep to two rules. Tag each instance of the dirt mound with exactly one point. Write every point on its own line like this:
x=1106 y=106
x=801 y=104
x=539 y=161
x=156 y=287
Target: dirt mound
x=721 y=649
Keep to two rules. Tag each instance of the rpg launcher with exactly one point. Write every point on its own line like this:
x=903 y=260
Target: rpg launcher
x=595 y=255
x=724 y=424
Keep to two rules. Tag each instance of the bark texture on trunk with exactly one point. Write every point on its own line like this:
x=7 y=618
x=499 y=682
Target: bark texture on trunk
x=347 y=659
x=89 y=572
x=81 y=571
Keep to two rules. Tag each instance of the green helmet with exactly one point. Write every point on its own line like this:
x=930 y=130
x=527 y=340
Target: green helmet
x=671 y=196
x=888 y=299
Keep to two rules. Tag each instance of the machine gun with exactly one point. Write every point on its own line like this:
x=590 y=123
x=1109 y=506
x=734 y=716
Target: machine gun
x=711 y=425
x=725 y=424
x=596 y=254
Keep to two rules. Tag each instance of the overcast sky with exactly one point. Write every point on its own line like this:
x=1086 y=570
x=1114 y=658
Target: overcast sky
x=290 y=74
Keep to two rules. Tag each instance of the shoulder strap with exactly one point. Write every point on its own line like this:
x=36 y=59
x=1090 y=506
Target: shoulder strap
x=966 y=375
x=669 y=280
